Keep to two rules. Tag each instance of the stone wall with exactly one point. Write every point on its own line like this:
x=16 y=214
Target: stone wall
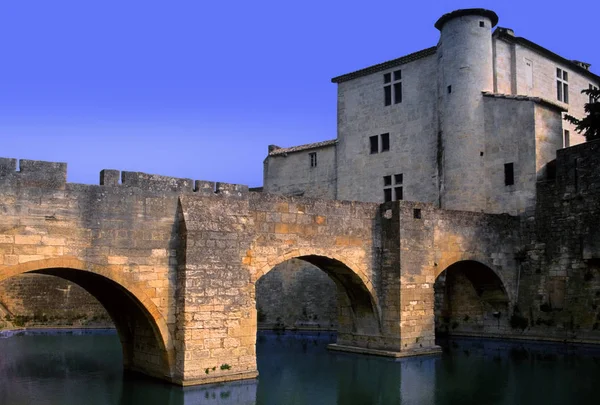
x=34 y=300
x=292 y=173
x=559 y=294
x=296 y=295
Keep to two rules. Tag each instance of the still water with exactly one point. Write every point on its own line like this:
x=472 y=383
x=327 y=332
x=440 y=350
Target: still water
x=85 y=368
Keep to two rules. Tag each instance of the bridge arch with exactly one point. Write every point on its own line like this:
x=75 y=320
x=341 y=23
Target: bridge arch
x=145 y=337
x=471 y=298
x=358 y=306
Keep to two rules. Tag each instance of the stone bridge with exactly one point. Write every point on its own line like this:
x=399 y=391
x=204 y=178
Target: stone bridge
x=175 y=261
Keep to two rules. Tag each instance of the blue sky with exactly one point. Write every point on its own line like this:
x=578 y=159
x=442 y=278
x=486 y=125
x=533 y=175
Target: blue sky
x=200 y=88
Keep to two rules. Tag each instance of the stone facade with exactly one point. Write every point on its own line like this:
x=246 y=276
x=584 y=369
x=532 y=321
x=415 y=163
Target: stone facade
x=480 y=99
x=35 y=300
x=175 y=262
x=296 y=295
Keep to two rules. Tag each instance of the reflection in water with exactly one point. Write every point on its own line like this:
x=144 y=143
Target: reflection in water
x=59 y=368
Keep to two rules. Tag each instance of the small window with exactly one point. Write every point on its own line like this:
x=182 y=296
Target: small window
x=449 y=89
x=395 y=191
x=417 y=213
x=397 y=93
x=567 y=141
x=591 y=98
x=481 y=23
x=313 y=159
x=387 y=194
x=385 y=142
x=398 y=193
x=374 y=141
x=509 y=174
x=562 y=86
x=387 y=94
x=392 y=88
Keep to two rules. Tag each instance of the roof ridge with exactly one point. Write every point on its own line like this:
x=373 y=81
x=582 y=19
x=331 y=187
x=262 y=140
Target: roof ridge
x=298 y=148
x=386 y=65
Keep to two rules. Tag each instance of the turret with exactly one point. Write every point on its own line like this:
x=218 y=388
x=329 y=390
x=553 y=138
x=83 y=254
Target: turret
x=465 y=69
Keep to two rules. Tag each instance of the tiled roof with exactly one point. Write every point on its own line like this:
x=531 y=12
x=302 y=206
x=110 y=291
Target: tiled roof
x=282 y=151
x=385 y=65
x=538 y=100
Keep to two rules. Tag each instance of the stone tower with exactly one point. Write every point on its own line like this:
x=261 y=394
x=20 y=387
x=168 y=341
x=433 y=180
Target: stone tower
x=465 y=69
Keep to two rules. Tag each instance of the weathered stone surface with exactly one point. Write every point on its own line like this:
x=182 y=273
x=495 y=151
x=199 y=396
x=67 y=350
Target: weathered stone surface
x=177 y=269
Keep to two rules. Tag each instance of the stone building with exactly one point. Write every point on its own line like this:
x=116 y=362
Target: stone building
x=468 y=124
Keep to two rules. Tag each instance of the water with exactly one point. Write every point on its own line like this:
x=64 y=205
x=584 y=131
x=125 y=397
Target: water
x=84 y=368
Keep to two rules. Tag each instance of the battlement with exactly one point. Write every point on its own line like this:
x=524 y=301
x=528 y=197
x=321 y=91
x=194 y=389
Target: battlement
x=34 y=173
x=53 y=175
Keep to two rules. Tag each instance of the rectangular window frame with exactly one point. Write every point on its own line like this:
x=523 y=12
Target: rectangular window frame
x=509 y=174
x=392 y=91
x=374 y=144
x=313 y=159
x=566 y=138
x=562 y=85
x=385 y=142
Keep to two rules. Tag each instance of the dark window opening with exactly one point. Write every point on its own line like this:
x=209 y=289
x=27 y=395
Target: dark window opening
x=562 y=86
x=374 y=141
x=417 y=213
x=449 y=89
x=313 y=159
x=591 y=98
x=559 y=90
x=398 y=178
x=480 y=153
x=481 y=23
x=387 y=195
x=394 y=86
x=385 y=142
x=387 y=92
x=398 y=192
x=387 y=180
x=509 y=174
x=397 y=93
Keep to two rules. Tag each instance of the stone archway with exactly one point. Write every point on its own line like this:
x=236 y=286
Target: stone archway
x=145 y=338
x=358 y=312
x=470 y=299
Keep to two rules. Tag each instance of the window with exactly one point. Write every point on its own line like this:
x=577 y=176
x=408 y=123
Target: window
x=449 y=89
x=376 y=140
x=392 y=191
x=509 y=174
x=313 y=159
x=417 y=213
x=567 y=141
x=562 y=85
x=592 y=87
x=385 y=142
x=481 y=23
x=396 y=86
x=387 y=194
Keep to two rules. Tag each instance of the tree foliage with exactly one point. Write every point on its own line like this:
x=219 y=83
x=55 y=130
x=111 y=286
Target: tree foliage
x=590 y=124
